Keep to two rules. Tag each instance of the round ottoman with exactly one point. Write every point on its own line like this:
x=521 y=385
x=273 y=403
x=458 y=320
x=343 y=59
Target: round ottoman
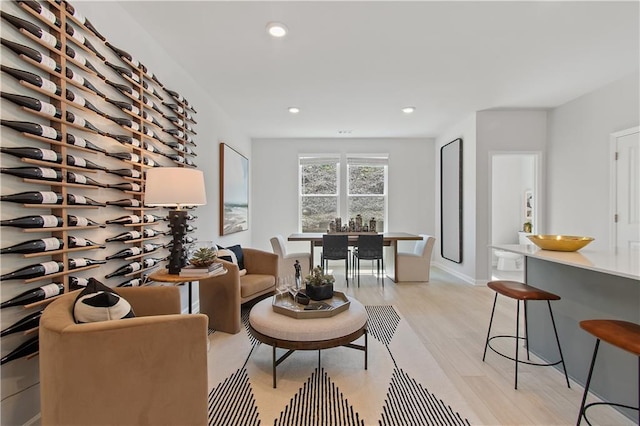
x=281 y=331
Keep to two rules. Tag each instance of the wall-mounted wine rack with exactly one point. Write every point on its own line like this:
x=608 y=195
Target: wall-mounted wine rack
x=90 y=102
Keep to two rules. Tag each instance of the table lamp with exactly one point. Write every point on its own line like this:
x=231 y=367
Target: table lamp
x=177 y=187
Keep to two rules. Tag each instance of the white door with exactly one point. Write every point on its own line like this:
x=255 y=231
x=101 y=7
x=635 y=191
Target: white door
x=627 y=193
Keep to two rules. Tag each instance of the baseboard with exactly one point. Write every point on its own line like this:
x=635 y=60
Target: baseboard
x=34 y=421
x=467 y=279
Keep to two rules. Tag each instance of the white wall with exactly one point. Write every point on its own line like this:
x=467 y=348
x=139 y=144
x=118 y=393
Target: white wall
x=579 y=160
x=511 y=176
x=274 y=184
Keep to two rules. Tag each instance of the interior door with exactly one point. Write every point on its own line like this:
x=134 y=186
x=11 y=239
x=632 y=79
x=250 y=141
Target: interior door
x=628 y=190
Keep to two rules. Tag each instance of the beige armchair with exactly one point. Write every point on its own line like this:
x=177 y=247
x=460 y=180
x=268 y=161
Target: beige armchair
x=287 y=260
x=148 y=370
x=221 y=296
x=414 y=266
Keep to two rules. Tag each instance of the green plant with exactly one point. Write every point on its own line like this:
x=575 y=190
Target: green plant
x=316 y=277
x=204 y=256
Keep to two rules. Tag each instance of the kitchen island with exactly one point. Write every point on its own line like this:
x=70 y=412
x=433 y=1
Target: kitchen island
x=593 y=284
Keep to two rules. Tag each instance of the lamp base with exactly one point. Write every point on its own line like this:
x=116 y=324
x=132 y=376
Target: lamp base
x=178 y=224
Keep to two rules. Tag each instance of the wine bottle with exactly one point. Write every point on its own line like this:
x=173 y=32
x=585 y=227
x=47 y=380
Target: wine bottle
x=148 y=233
x=175 y=157
x=79 y=100
x=124 y=105
x=175 y=107
x=30 y=222
x=83 y=61
x=34 y=271
x=78 y=281
x=34 y=295
x=150 y=247
x=128 y=186
x=34 y=79
x=175 y=120
x=84 y=21
x=148 y=102
x=76 y=200
x=150 y=147
x=189 y=240
x=29 y=322
x=135 y=174
x=136 y=282
x=79 y=121
x=189 y=128
x=190 y=117
x=189 y=162
x=73 y=220
x=33 y=29
x=128 y=252
x=123 y=54
x=151 y=261
x=125 y=122
x=147 y=131
x=81 y=242
x=124 y=71
x=125 y=140
x=83 y=180
x=82 y=40
x=29 y=347
x=83 y=143
x=21 y=49
x=175 y=132
x=149 y=162
x=34 y=197
x=176 y=145
x=124 y=89
x=81 y=262
x=46 y=14
x=191 y=217
x=190 y=228
x=152 y=90
x=151 y=118
x=125 y=236
x=150 y=218
x=189 y=151
x=74 y=160
x=127 y=202
x=126 y=269
x=41 y=173
x=33 y=104
x=83 y=82
x=35 y=246
x=178 y=97
x=33 y=128
x=125 y=220
x=33 y=153
x=125 y=156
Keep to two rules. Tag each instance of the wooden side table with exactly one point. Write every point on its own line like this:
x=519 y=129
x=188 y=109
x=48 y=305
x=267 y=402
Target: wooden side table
x=164 y=276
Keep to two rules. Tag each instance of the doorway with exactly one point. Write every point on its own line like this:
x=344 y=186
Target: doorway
x=515 y=208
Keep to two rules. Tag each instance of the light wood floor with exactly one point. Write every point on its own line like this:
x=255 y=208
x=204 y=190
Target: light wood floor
x=451 y=319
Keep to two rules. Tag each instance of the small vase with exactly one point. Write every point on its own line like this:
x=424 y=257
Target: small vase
x=319 y=292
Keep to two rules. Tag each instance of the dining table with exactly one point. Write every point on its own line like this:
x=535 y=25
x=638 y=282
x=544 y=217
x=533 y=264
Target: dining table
x=390 y=239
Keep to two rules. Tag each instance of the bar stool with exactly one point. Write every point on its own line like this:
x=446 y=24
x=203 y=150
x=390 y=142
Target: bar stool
x=520 y=291
x=621 y=334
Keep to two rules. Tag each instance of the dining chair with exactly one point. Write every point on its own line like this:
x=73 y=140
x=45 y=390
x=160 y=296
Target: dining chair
x=335 y=247
x=286 y=260
x=369 y=247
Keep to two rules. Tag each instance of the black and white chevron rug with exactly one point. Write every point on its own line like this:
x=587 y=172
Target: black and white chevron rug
x=403 y=384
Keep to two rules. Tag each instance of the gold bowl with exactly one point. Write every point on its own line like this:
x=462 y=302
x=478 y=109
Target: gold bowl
x=560 y=242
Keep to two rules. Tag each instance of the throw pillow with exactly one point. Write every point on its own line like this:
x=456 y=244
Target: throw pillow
x=97 y=302
x=231 y=253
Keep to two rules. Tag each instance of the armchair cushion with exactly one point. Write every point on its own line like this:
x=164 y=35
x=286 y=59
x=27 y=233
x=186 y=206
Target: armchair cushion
x=97 y=302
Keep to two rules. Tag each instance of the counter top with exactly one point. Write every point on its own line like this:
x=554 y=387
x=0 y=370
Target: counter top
x=623 y=263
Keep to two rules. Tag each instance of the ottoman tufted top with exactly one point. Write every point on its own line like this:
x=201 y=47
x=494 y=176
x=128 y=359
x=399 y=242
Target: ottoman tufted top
x=264 y=320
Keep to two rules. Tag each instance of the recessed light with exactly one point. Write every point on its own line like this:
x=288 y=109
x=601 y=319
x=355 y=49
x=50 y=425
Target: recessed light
x=294 y=110
x=344 y=132
x=408 y=110
x=276 y=29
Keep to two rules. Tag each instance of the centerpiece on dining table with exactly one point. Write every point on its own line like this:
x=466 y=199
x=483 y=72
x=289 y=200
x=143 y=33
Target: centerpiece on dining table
x=319 y=286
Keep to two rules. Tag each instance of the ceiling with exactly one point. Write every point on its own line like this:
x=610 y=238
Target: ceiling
x=352 y=66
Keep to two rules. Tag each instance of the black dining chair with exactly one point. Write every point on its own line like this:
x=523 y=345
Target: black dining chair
x=369 y=247
x=335 y=247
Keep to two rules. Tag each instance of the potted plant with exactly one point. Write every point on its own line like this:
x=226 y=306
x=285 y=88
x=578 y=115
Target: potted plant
x=319 y=286
x=202 y=255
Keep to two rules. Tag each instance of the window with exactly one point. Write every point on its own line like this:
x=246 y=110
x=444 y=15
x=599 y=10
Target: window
x=330 y=188
x=319 y=192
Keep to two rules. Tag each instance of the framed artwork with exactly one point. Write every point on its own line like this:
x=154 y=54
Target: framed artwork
x=234 y=191
x=528 y=205
x=451 y=201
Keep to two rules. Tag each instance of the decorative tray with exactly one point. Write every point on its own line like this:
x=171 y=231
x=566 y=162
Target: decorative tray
x=285 y=304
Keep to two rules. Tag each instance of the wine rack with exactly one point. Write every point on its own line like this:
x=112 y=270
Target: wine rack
x=76 y=78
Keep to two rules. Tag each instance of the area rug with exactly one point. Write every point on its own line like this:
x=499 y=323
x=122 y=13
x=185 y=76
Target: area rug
x=403 y=384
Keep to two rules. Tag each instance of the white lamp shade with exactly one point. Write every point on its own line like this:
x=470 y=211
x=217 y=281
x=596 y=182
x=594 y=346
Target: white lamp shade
x=174 y=187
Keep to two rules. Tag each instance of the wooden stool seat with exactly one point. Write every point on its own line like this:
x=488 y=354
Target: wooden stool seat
x=525 y=293
x=520 y=291
x=622 y=334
